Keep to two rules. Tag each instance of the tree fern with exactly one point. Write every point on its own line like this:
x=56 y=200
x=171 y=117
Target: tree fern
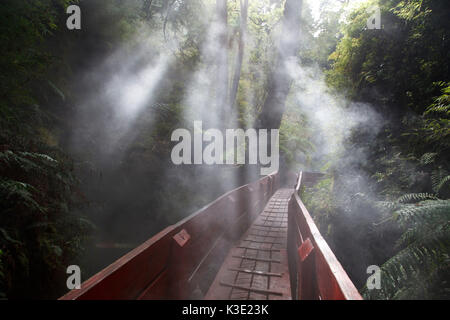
x=38 y=223
x=421 y=267
x=11 y=190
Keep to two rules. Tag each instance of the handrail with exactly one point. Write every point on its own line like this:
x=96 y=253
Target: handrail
x=178 y=260
x=315 y=272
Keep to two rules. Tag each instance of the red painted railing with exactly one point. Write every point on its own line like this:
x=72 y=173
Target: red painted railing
x=315 y=273
x=181 y=261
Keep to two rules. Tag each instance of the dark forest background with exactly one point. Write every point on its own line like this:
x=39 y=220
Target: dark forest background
x=70 y=194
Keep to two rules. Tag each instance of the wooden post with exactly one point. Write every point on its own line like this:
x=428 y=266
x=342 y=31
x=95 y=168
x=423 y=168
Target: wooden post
x=179 y=285
x=308 y=287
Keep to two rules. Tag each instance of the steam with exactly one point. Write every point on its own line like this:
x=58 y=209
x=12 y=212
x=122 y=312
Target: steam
x=127 y=84
x=334 y=121
x=330 y=114
x=200 y=101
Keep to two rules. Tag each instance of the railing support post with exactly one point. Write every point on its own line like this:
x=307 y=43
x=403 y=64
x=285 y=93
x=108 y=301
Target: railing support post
x=180 y=286
x=307 y=289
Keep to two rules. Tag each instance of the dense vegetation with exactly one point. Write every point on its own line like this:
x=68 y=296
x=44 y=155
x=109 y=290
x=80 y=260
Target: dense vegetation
x=74 y=180
x=399 y=216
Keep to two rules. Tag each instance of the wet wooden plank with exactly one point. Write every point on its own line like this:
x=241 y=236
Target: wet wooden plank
x=256 y=268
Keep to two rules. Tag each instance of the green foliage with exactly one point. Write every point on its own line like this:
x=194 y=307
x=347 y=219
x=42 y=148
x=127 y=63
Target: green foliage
x=441 y=105
x=320 y=201
x=414 y=36
x=24 y=60
x=323 y=34
x=40 y=234
x=400 y=70
x=421 y=267
x=295 y=140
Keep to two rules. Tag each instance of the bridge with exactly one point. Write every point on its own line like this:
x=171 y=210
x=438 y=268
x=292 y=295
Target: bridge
x=257 y=242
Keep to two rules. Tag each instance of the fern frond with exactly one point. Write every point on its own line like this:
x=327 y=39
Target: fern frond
x=436 y=178
x=440 y=186
x=416 y=197
x=441 y=105
x=414 y=266
x=425 y=212
x=428 y=158
x=22 y=192
x=438 y=109
x=391 y=205
x=421 y=267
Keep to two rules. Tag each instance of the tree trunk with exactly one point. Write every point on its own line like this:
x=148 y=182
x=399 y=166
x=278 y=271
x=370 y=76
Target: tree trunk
x=280 y=81
x=240 y=55
x=148 y=8
x=222 y=56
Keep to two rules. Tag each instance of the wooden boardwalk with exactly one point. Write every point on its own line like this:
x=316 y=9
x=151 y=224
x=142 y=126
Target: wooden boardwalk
x=269 y=245
x=256 y=268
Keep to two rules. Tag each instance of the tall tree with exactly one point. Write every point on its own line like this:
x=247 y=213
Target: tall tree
x=222 y=55
x=280 y=81
x=147 y=8
x=240 y=55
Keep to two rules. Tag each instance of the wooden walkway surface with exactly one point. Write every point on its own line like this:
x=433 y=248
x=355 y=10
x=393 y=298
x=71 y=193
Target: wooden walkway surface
x=256 y=268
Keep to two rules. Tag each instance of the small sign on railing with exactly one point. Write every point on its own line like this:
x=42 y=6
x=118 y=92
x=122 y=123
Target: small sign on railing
x=182 y=237
x=305 y=249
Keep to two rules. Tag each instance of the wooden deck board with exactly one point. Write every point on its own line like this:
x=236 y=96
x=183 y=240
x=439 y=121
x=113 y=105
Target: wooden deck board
x=264 y=275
